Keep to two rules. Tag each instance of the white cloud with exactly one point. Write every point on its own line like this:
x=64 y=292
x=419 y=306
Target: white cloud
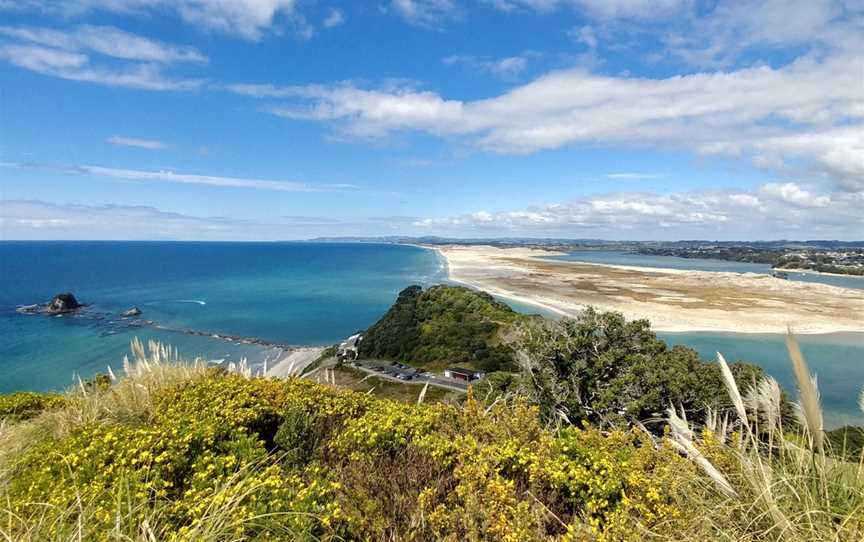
x=600 y=9
x=29 y=219
x=503 y=67
x=424 y=12
x=723 y=33
x=248 y=19
x=634 y=176
x=584 y=34
x=794 y=194
x=150 y=144
x=105 y=40
x=40 y=220
x=806 y=111
x=334 y=18
x=775 y=210
x=138 y=61
x=169 y=176
x=76 y=67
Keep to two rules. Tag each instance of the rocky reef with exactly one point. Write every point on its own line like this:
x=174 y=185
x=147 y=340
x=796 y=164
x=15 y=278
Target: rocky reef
x=60 y=304
x=134 y=311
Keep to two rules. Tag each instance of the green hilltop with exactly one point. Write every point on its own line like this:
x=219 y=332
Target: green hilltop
x=444 y=325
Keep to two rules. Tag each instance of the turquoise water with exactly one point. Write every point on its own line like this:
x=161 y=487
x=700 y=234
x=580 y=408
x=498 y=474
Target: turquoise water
x=837 y=359
x=618 y=257
x=292 y=293
x=286 y=293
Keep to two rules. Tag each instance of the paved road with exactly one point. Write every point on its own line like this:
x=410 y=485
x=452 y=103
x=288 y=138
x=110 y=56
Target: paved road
x=294 y=362
x=384 y=369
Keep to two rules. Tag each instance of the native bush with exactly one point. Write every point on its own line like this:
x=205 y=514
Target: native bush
x=224 y=457
x=22 y=405
x=444 y=324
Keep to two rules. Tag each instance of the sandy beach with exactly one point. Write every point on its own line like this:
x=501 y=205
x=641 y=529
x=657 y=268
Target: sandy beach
x=672 y=299
x=293 y=363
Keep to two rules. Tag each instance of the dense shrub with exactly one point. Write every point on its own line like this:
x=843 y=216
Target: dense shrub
x=604 y=369
x=22 y=405
x=264 y=459
x=444 y=324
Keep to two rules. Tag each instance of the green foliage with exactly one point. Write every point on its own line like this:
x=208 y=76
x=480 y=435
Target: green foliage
x=604 y=369
x=23 y=405
x=296 y=436
x=847 y=441
x=225 y=458
x=444 y=324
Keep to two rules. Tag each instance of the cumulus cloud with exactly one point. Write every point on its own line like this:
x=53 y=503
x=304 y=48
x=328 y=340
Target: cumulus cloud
x=794 y=194
x=775 y=210
x=248 y=19
x=149 y=144
x=750 y=111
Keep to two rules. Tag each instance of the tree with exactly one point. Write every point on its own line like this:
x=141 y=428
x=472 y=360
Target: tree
x=604 y=369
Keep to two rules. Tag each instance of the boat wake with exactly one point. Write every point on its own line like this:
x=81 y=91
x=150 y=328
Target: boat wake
x=196 y=301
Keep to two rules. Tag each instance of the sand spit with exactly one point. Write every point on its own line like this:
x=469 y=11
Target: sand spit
x=672 y=299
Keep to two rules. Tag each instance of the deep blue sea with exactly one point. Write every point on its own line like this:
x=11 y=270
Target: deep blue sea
x=290 y=293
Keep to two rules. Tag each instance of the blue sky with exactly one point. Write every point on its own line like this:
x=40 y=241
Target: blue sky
x=283 y=119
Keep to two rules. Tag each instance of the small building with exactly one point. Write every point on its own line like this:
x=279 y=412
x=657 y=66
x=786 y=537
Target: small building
x=460 y=373
x=348 y=349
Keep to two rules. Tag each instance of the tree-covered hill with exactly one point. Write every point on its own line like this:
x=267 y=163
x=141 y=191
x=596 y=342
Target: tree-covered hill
x=444 y=325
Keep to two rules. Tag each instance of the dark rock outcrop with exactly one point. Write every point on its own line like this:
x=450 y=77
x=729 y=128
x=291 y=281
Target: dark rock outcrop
x=61 y=303
x=134 y=311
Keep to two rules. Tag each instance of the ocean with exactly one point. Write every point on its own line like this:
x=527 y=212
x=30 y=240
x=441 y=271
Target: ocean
x=286 y=293
x=281 y=293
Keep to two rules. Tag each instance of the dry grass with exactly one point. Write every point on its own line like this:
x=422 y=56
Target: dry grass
x=771 y=482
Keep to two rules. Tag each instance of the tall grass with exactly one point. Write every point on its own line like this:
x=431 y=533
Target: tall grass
x=129 y=400
x=769 y=481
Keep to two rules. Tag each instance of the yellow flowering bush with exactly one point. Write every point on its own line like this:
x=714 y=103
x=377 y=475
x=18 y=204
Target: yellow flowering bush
x=22 y=405
x=261 y=459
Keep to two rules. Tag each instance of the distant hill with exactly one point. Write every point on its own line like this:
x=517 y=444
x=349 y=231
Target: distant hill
x=444 y=325
x=576 y=243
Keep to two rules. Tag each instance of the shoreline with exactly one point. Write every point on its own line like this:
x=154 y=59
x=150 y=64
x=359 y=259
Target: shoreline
x=814 y=272
x=490 y=269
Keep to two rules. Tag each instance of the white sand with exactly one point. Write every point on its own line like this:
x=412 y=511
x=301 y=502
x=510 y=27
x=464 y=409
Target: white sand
x=672 y=299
